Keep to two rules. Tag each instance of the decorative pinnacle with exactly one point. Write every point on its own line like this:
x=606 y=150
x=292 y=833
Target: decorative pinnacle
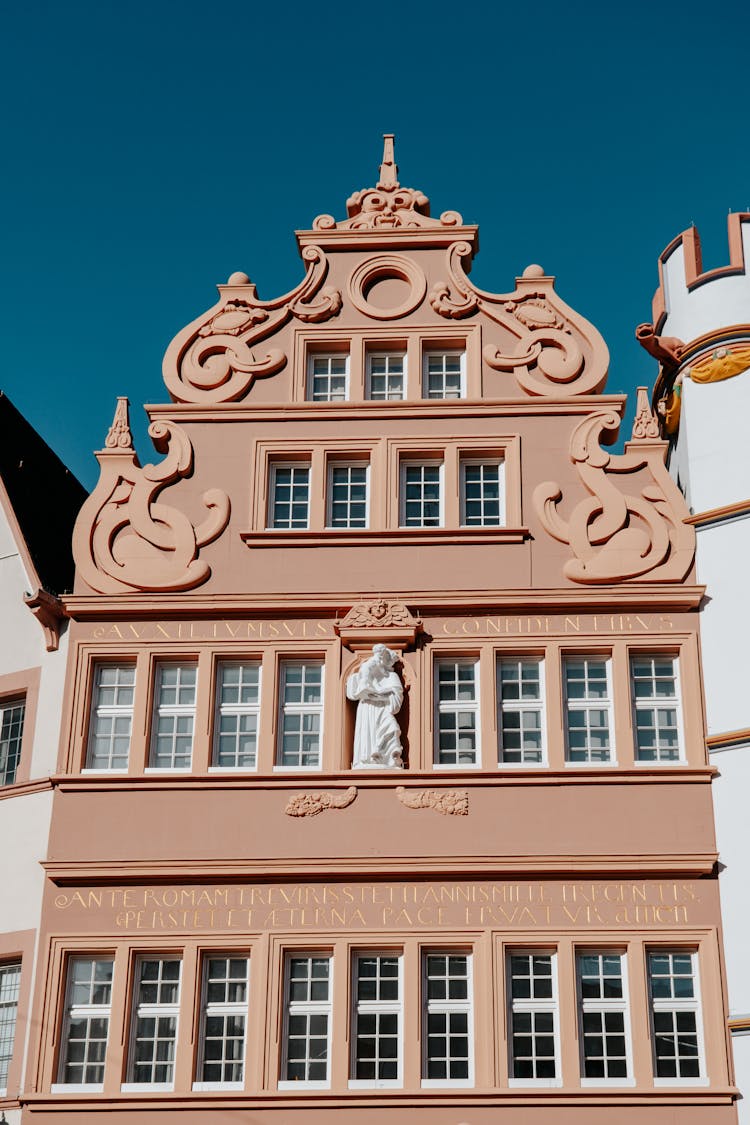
x=389 y=168
x=119 y=436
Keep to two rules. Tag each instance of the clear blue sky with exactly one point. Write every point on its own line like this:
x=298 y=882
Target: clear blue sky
x=151 y=149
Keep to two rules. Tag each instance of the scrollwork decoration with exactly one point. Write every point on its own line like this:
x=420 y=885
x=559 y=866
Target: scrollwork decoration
x=215 y=360
x=124 y=539
x=616 y=535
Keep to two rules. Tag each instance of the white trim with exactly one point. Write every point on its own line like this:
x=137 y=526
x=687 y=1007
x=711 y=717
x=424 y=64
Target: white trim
x=461 y=353
x=533 y=1005
x=355 y=464
x=469 y=462
x=302 y=708
x=456 y=707
x=238 y=710
x=312 y=358
x=588 y=704
x=274 y=468
x=448 y=1007
x=380 y=353
x=111 y=711
x=234 y=1008
x=377 y=1007
x=306 y=1008
x=521 y=706
x=84 y=1011
x=421 y=462
x=647 y=703
x=155 y=1010
x=604 y=1005
x=172 y=711
x=677 y=1005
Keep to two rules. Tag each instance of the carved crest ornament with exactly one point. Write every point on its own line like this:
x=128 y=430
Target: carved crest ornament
x=124 y=539
x=617 y=534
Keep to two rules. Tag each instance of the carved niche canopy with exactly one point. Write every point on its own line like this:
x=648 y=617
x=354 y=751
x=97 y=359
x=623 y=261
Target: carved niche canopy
x=124 y=539
x=618 y=535
x=379 y=622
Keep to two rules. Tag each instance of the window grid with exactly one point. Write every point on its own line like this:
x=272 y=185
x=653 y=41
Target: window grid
x=174 y=716
x=656 y=705
x=347 y=495
x=675 y=1015
x=290 y=497
x=386 y=376
x=588 y=701
x=421 y=494
x=10 y=984
x=533 y=1037
x=602 y=997
x=328 y=378
x=12 y=715
x=237 y=715
x=301 y=718
x=111 y=717
x=377 y=1035
x=443 y=374
x=87 y=1013
x=308 y=1021
x=447 y=1019
x=457 y=717
x=155 y=1022
x=521 y=727
x=222 y=1048
x=482 y=501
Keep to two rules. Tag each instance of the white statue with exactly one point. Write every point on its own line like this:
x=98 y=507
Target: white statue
x=379 y=694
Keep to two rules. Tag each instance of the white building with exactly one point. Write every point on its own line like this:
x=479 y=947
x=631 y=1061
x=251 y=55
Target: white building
x=701 y=336
x=38 y=502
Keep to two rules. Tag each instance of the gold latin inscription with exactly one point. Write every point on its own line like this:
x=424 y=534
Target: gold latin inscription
x=389 y=906
x=212 y=630
x=568 y=625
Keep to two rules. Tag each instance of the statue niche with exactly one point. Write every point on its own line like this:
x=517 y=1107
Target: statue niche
x=378 y=692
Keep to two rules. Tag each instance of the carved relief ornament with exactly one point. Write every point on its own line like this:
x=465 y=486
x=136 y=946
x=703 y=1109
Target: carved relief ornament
x=123 y=539
x=556 y=353
x=617 y=535
x=217 y=357
x=366 y=623
x=310 y=804
x=449 y=802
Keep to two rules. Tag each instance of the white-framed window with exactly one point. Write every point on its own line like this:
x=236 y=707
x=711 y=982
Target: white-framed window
x=377 y=1039
x=88 y=1002
x=348 y=494
x=447 y=1033
x=520 y=696
x=656 y=707
x=328 y=377
x=386 y=376
x=588 y=706
x=675 y=1017
x=221 y=1050
x=174 y=716
x=444 y=374
x=533 y=1034
x=422 y=494
x=10 y=984
x=603 y=1018
x=289 y=506
x=111 y=717
x=155 y=1015
x=237 y=714
x=306 y=1049
x=301 y=715
x=12 y=715
x=457 y=740
x=482 y=493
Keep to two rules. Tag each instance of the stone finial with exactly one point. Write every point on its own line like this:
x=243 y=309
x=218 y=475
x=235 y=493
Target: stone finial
x=389 y=167
x=119 y=435
x=646 y=425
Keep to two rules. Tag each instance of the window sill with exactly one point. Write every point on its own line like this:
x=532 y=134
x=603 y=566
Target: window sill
x=679 y=1083
x=534 y=1083
x=607 y=1083
x=217 y=1087
x=286 y=1086
x=366 y=537
x=383 y=1084
x=147 y=1088
x=447 y=1083
x=76 y=1088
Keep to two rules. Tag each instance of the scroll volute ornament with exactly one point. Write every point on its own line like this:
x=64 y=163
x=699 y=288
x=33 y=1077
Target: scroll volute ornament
x=618 y=535
x=557 y=354
x=125 y=540
x=217 y=357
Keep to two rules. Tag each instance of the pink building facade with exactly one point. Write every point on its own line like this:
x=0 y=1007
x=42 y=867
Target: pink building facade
x=291 y=873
